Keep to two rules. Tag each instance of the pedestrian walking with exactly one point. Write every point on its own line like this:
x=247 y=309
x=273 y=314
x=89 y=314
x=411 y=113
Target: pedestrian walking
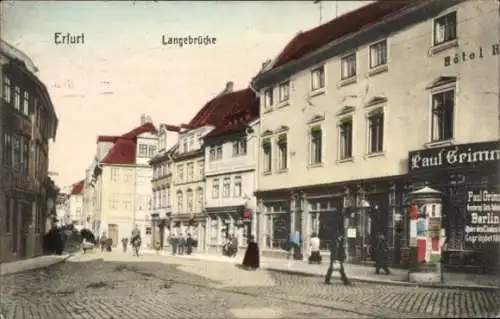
x=189 y=244
x=174 y=241
x=251 y=260
x=294 y=240
x=337 y=258
x=102 y=241
x=314 y=255
x=382 y=255
x=124 y=244
x=182 y=245
x=109 y=244
x=234 y=245
x=136 y=240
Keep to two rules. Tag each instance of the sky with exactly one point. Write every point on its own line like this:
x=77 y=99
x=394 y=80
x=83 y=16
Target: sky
x=123 y=70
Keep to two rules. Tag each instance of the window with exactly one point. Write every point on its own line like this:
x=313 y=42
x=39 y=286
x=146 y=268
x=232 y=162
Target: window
x=284 y=91
x=129 y=174
x=445 y=28
x=215 y=188
x=160 y=199
x=16 y=153
x=115 y=172
x=218 y=152
x=180 y=173
x=443 y=105
x=199 y=199
x=113 y=202
x=26 y=103
x=201 y=168
x=226 y=187
x=345 y=128
x=190 y=171
x=318 y=78
x=237 y=186
x=268 y=98
x=267 y=155
x=152 y=150
x=212 y=153
x=167 y=197
x=179 y=202
x=240 y=147
x=7 y=89
x=143 y=150
x=126 y=203
x=191 y=142
x=378 y=54
x=7 y=148
x=24 y=154
x=348 y=65
x=189 y=200
x=184 y=145
x=17 y=98
x=7 y=215
x=376 y=131
x=316 y=138
x=282 y=152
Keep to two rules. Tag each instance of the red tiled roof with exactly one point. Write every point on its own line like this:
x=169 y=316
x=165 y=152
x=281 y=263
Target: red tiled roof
x=237 y=120
x=77 y=188
x=107 y=138
x=123 y=151
x=216 y=110
x=313 y=39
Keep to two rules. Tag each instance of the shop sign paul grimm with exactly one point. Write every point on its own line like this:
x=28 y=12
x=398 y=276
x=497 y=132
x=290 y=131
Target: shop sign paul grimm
x=477 y=54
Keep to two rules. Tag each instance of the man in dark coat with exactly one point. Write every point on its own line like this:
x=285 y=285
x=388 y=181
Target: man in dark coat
x=382 y=255
x=189 y=244
x=251 y=261
x=337 y=256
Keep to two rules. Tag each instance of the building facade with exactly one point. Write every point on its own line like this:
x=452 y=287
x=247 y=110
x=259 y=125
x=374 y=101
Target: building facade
x=161 y=183
x=230 y=156
x=28 y=122
x=339 y=164
x=120 y=183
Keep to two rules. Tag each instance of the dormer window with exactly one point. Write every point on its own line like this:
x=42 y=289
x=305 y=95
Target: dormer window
x=268 y=98
x=143 y=150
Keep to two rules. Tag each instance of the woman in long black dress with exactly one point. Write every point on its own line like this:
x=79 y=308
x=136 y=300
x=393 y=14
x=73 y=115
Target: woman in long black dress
x=252 y=255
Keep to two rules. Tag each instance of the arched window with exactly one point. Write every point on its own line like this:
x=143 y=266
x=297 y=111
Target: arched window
x=179 y=201
x=200 y=199
x=190 y=200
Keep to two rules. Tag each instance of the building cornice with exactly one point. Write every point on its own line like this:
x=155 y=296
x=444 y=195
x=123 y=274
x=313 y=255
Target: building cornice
x=400 y=21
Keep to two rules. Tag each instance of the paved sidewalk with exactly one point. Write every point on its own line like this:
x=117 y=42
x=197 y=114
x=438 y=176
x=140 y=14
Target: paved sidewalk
x=355 y=272
x=32 y=263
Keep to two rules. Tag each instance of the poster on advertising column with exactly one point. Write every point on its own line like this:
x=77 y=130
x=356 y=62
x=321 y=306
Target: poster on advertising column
x=483 y=217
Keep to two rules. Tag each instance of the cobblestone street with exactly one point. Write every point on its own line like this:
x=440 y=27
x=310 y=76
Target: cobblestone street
x=120 y=286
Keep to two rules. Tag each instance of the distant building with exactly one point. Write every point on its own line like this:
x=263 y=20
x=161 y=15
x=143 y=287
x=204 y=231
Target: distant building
x=62 y=211
x=27 y=122
x=119 y=182
x=231 y=151
x=76 y=216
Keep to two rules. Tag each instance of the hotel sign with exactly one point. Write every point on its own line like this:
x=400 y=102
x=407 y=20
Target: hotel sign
x=479 y=53
x=458 y=156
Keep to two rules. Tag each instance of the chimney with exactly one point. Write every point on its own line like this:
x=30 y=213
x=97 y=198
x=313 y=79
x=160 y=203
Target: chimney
x=229 y=87
x=266 y=63
x=143 y=118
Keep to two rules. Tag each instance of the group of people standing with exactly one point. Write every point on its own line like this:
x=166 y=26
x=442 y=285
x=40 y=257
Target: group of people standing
x=182 y=244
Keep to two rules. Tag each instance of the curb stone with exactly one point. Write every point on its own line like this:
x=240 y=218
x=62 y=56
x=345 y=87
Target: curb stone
x=388 y=282
x=64 y=259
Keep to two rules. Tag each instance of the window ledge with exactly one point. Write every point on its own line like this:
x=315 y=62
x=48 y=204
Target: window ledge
x=375 y=154
x=443 y=46
x=378 y=69
x=345 y=160
x=348 y=81
x=317 y=92
x=315 y=165
x=283 y=170
x=442 y=143
x=283 y=104
x=267 y=173
x=268 y=109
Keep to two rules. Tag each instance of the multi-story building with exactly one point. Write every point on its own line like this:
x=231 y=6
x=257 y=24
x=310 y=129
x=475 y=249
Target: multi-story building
x=121 y=182
x=161 y=182
x=230 y=159
x=62 y=209
x=188 y=165
x=343 y=105
x=76 y=205
x=28 y=122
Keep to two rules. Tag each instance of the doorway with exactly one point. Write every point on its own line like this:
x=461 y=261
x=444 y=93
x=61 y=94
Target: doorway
x=113 y=233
